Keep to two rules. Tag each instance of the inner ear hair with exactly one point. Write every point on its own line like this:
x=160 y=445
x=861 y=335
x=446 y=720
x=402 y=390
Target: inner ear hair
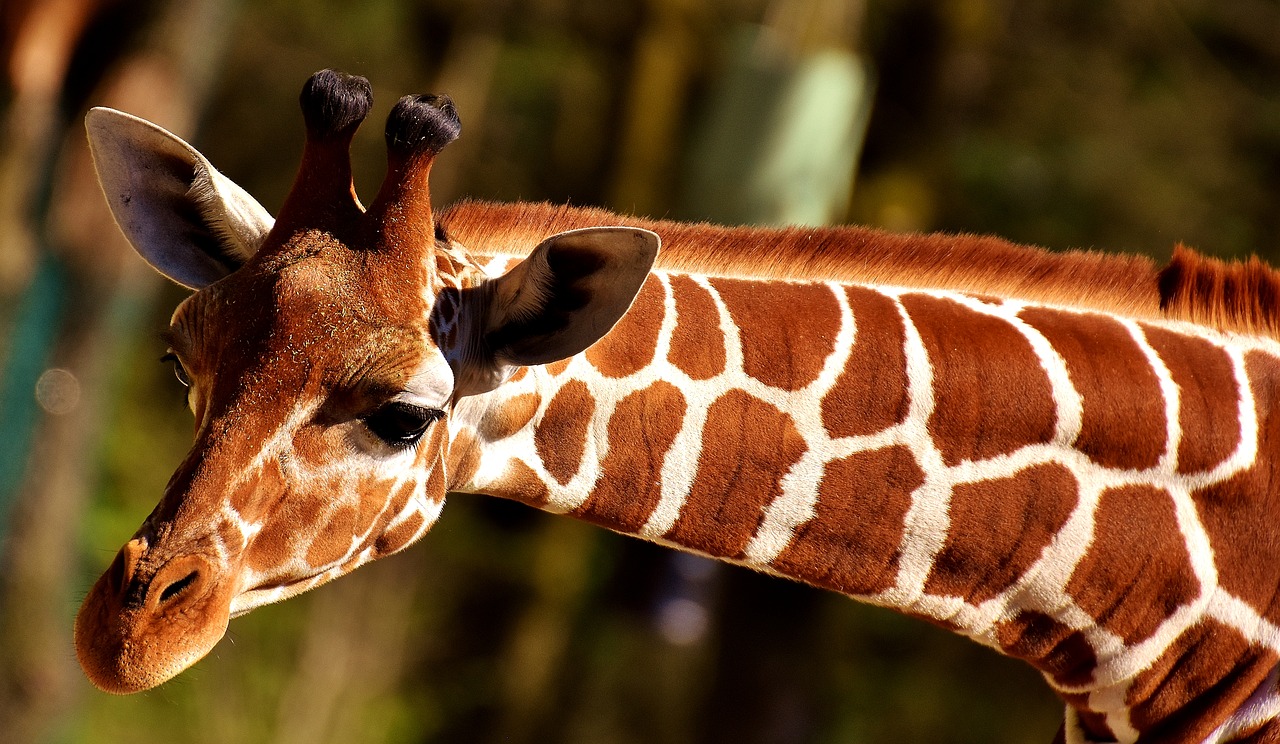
x=237 y=239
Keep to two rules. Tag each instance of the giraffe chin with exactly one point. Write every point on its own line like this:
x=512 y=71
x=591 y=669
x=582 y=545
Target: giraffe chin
x=126 y=648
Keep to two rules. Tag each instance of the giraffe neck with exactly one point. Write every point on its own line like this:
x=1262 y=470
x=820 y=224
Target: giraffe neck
x=1041 y=480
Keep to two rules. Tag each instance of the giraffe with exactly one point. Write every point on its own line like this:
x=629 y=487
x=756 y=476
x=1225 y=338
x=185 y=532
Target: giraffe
x=1065 y=457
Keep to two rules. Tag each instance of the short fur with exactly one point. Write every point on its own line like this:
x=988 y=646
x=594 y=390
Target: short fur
x=1237 y=295
x=422 y=123
x=334 y=103
x=1090 y=494
x=1228 y=296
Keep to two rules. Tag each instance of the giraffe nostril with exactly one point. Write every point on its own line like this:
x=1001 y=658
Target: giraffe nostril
x=176 y=587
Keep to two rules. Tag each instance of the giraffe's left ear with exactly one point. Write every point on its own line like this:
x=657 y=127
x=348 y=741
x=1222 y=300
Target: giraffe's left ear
x=566 y=295
x=190 y=222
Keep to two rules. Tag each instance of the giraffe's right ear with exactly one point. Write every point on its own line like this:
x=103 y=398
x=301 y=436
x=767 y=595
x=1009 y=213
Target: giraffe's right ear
x=566 y=295
x=190 y=222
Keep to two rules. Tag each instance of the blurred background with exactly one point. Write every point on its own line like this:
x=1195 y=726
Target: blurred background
x=1126 y=125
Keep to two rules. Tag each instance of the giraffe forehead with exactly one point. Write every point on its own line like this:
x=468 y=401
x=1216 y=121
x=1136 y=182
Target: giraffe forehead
x=357 y=269
x=374 y=287
x=313 y=305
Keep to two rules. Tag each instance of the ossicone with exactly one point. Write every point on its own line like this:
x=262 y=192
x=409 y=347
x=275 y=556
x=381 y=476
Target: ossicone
x=418 y=128
x=323 y=196
x=334 y=103
x=422 y=125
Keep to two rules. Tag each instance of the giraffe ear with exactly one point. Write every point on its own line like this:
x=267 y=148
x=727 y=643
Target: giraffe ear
x=190 y=222
x=566 y=295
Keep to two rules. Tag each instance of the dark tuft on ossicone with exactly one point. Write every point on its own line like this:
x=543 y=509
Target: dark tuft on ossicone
x=335 y=103
x=422 y=124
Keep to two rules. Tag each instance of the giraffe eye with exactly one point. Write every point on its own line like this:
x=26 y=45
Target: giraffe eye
x=401 y=424
x=179 y=371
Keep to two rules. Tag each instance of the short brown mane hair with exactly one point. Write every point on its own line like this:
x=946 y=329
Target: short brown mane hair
x=1229 y=296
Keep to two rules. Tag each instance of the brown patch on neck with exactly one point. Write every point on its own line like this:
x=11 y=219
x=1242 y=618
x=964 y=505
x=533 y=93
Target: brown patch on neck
x=996 y=365
x=1208 y=413
x=871 y=392
x=1137 y=572
x=642 y=430
x=756 y=445
x=1050 y=646
x=787 y=334
x=561 y=435
x=1241 y=297
x=510 y=417
x=1008 y=522
x=698 y=354
x=841 y=548
x=520 y=483
x=1197 y=683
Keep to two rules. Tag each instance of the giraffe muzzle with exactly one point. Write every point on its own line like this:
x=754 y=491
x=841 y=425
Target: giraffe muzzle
x=138 y=627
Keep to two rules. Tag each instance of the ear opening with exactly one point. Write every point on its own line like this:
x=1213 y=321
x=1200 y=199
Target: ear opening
x=187 y=220
x=566 y=295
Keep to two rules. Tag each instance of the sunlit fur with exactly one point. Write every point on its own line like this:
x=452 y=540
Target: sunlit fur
x=1193 y=287
x=1067 y=481
x=1069 y=458
x=285 y=487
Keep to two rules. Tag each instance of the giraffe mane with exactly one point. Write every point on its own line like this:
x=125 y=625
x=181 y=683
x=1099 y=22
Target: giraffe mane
x=1236 y=296
x=1241 y=295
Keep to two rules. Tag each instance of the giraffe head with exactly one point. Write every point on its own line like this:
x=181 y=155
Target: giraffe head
x=324 y=352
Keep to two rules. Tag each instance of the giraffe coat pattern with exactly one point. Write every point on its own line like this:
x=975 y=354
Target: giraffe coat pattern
x=1034 y=476
x=1066 y=458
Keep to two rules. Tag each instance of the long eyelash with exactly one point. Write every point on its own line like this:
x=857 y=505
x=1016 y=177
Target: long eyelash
x=184 y=401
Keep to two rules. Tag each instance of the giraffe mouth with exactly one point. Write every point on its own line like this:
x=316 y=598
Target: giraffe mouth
x=250 y=600
x=267 y=593
x=134 y=635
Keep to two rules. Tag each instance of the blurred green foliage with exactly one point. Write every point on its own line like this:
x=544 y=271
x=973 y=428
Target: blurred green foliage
x=1129 y=125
